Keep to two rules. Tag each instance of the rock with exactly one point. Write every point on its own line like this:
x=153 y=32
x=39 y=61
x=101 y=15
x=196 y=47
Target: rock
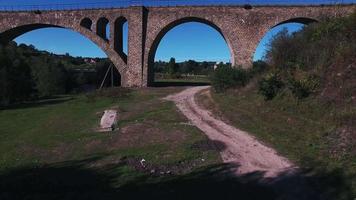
x=108 y=120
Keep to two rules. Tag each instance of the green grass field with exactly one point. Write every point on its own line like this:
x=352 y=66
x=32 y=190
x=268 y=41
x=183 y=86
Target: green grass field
x=64 y=129
x=57 y=138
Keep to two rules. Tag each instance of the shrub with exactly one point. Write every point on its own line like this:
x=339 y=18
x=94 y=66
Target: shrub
x=304 y=87
x=258 y=67
x=225 y=77
x=270 y=86
x=175 y=75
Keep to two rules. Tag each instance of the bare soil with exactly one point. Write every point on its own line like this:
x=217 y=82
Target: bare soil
x=239 y=147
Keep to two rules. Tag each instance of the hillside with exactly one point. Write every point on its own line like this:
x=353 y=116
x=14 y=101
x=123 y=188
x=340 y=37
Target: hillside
x=301 y=102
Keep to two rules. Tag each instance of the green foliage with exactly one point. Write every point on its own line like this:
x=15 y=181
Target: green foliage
x=15 y=76
x=270 y=86
x=50 y=79
x=302 y=88
x=326 y=49
x=187 y=67
x=27 y=73
x=173 y=69
x=258 y=67
x=281 y=49
x=226 y=77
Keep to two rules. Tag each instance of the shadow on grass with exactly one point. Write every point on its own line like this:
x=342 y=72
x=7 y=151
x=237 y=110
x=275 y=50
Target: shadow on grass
x=177 y=84
x=38 y=103
x=75 y=180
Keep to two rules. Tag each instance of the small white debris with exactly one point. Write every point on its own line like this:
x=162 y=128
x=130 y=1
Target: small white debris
x=186 y=123
x=143 y=161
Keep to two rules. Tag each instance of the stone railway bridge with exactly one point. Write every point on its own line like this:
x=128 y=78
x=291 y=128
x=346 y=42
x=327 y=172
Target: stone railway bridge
x=241 y=27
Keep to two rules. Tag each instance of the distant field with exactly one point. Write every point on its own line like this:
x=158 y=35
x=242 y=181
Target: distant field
x=185 y=78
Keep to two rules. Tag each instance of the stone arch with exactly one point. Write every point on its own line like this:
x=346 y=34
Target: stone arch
x=86 y=23
x=118 y=36
x=101 y=25
x=170 y=26
x=11 y=33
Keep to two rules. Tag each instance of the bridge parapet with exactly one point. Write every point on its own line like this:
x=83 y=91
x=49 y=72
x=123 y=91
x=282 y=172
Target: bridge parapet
x=111 y=4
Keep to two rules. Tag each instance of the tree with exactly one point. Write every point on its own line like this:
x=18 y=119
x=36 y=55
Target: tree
x=50 y=78
x=173 y=68
x=15 y=76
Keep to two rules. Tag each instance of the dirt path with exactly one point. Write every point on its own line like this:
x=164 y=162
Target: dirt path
x=241 y=148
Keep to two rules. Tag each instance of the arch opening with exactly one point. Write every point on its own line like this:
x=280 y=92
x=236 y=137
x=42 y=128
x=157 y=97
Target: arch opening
x=121 y=37
x=86 y=23
x=291 y=26
x=211 y=35
x=83 y=68
x=103 y=28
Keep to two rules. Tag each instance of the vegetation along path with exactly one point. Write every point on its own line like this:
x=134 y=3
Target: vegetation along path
x=239 y=147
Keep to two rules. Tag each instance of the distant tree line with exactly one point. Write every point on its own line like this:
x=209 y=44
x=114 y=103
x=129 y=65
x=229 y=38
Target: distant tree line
x=175 y=70
x=29 y=74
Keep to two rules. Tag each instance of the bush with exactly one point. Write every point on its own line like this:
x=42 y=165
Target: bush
x=304 y=87
x=258 y=67
x=225 y=77
x=175 y=75
x=270 y=86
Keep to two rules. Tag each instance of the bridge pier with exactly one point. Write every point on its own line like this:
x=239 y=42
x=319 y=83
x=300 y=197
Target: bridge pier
x=136 y=45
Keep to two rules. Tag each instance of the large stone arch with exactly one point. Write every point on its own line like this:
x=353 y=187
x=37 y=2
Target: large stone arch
x=159 y=36
x=10 y=33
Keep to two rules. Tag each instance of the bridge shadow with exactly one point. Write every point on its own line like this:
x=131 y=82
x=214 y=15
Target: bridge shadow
x=75 y=180
x=177 y=84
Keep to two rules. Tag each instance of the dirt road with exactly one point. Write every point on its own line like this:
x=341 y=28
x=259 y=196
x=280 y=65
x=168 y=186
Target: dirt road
x=240 y=147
